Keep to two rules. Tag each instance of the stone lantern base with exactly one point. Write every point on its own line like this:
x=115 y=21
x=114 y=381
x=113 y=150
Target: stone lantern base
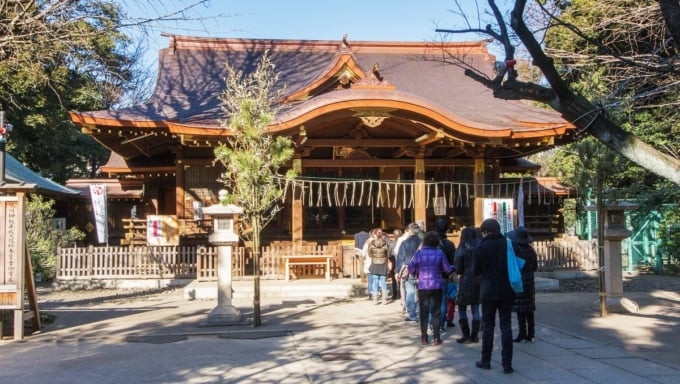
x=618 y=304
x=224 y=315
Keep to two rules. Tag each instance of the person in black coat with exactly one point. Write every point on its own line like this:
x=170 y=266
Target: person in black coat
x=468 y=286
x=525 y=302
x=496 y=294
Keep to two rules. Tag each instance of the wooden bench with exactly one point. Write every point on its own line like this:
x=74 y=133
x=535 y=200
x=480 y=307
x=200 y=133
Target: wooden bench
x=324 y=260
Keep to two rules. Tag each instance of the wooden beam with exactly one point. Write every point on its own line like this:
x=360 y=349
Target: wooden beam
x=364 y=142
x=367 y=163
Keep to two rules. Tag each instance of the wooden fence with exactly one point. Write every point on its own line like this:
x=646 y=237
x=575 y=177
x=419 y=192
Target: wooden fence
x=197 y=262
x=200 y=262
x=127 y=262
x=566 y=255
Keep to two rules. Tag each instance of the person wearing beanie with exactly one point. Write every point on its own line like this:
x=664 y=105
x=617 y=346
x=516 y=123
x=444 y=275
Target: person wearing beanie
x=495 y=293
x=525 y=302
x=468 y=286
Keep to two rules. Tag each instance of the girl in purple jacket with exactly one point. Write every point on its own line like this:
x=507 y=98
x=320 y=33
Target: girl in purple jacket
x=427 y=265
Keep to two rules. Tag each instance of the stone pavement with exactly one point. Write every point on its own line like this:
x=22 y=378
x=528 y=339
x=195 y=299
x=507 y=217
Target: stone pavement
x=160 y=338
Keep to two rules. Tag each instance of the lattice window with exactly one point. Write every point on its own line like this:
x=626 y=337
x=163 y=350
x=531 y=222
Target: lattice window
x=201 y=185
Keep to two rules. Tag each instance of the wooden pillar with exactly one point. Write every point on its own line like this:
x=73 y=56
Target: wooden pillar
x=479 y=180
x=179 y=189
x=420 y=197
x=297 y=209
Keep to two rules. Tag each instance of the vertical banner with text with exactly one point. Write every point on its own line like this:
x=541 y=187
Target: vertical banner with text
x=501 y=210
x=98 y=195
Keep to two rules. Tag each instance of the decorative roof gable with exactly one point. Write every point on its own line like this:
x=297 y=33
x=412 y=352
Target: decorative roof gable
x=344 y=73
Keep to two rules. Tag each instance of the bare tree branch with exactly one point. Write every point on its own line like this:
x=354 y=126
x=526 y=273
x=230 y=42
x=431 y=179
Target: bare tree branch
x=587 y=116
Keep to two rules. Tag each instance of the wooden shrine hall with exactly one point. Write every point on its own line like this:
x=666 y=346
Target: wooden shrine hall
x=385 y=133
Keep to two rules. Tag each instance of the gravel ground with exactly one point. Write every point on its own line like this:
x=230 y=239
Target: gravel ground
x=49 y=297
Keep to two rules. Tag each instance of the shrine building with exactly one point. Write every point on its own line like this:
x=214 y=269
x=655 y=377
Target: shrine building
x=385 y=133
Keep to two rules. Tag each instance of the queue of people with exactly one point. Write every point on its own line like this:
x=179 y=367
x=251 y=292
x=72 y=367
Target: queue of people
x=431 y=277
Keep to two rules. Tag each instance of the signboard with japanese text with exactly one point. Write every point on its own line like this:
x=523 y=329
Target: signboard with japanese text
x=162 y=230
x=501 y=210
x=11 y=252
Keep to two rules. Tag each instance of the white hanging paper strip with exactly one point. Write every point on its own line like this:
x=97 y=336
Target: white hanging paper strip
x=451 y=197
x=427 y=195
x=354 y=186
x=328 y=194
x=361 y=197
x=344 y=194
x=285 y=190
x=459 y=199
x=303 y=191
x=335 y=195
x=467 y=196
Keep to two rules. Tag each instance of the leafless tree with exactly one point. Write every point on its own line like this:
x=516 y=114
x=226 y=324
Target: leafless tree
x=590 y=118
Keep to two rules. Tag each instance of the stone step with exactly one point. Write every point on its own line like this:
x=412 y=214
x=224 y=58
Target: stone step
x=544 y=284
x=305 y=288
x=308 y=288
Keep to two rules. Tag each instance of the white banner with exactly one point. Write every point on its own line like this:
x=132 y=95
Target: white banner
x=501 y=210
x=520 y=203
x=98 y=195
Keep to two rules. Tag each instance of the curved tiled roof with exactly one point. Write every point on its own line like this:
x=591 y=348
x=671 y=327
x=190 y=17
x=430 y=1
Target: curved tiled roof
x=412 y=77
x=191 y=76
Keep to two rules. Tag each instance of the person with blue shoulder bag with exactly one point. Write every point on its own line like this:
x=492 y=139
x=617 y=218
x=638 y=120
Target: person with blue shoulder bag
x=525 y=302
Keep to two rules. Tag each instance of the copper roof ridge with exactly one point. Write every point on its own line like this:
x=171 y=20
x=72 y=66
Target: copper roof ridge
x=185 y=41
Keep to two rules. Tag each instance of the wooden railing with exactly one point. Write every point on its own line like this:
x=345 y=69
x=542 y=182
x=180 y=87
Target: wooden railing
x=192 y=262
x=200 y=262
x=127 y=262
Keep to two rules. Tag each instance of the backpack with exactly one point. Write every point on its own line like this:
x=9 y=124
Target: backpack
x=377 y=251
x=449 y=250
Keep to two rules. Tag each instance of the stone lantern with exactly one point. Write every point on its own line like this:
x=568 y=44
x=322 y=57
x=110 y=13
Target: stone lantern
x=614 y=232
x=224 y=237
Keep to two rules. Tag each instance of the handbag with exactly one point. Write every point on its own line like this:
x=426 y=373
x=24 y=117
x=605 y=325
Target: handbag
x=515 y=265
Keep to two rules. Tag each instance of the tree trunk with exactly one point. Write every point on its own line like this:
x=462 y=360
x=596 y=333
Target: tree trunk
x=585 y=115
x=588 y=117
x=257 y=317
x=671 y=15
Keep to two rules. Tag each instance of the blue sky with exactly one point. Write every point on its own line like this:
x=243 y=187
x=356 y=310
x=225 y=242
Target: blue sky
x=380 y=20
